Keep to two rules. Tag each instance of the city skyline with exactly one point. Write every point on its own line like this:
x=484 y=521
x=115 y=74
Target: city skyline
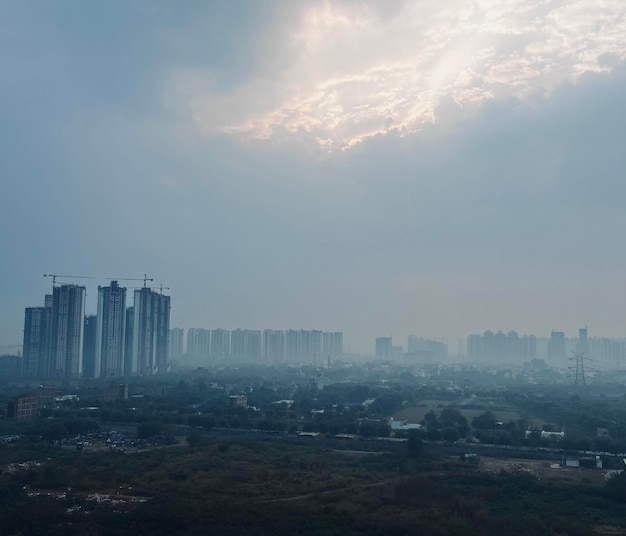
x=378 y=168
x=61 y=340
x=364 y=349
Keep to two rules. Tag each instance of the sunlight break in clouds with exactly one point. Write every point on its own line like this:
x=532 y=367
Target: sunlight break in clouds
x=359 y=72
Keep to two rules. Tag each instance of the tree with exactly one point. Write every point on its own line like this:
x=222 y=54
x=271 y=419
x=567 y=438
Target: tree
x=148 y=429
x=54 y=430
x=449 y=434
x=484 y=421
x=431 y=420
x=450 y=417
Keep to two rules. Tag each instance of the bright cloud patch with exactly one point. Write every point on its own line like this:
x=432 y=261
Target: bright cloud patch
x=359 y=71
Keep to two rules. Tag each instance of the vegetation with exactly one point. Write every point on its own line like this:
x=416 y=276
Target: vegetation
x=194 y=464
x=226 y=485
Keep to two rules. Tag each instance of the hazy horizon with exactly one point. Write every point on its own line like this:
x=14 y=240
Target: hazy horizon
x=356 y=166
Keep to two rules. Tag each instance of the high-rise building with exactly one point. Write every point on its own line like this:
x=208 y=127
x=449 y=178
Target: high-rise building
x=512 y=345
x=489 y=344
x=306 y=346
x=237 y=344
x=426 y=349
x=383 y=347
x=176 y=343
x=163 y=333
x=245 y=345
x=198 y=344
x=528 y=347
x=582 y=346
x=254 y=344
x=315 y=346
x=499 y=345
x=332 y=344
x=474 y=346
x=36 y=346
x=66 y=333
x=128 y=350
x=556 y=346
x=293 y=345
x=220 y=344
x=274 y=345
x=151 y=329
x=111 y=331
x=90 y=336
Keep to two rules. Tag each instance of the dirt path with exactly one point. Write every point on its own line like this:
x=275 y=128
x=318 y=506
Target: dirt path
x=322 y=493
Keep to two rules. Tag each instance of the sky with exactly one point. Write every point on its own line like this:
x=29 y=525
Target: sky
x=377 y=168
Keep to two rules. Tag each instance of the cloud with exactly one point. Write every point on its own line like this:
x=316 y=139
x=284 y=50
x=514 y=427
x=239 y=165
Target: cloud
x=356 y=71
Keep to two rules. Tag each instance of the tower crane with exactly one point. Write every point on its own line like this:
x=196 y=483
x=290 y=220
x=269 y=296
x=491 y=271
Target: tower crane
x=55 y=276
x=161 y=288
x=144 y=279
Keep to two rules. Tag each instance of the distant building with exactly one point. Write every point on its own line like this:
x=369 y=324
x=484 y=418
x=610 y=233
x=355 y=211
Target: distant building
x=128 y=344
x=116 y=391
x=220 y=344
x=254 y=345
x=66 y=335
x=10 y=365
x=501 y=347
x=403 y=425
x=111 y=331
x=582 y=346
x=274 y=345
x=293 y=345
x=24 y=407
x=36 y=345
x=528 y=347
x=46 y=395
x=198 y=344
x=332 y=344
x=151 y=329
x=90 y=334
x=383 y=347
x=245 y=345
x=556 y=346
x=315 y=346
x=427 y=349
x=176 y=343
x=238 y=401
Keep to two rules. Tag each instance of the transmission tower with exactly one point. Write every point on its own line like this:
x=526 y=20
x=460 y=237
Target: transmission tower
x=579 y=375
x=580 y=368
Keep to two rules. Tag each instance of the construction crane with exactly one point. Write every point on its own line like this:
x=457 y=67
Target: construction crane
x=55 y=276
x=144 y=279
x=161 y=288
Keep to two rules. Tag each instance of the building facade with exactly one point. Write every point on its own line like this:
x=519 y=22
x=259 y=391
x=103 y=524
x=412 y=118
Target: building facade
x=111 y=332
x=66 y=333
x=176 y=343
x=36 y=344
x=151 y=326
x=198 y=344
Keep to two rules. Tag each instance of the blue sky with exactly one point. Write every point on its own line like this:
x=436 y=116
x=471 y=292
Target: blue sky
x=369 y=167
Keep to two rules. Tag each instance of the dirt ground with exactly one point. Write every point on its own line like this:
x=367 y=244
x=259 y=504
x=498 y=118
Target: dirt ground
x=544 y=469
